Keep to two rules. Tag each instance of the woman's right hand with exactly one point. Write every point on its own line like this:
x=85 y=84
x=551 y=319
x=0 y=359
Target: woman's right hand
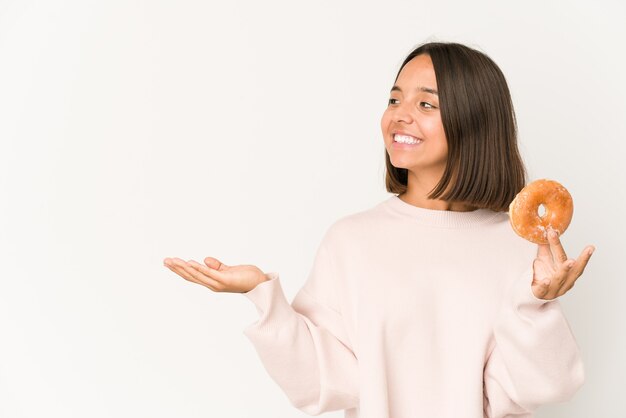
x=216 y=275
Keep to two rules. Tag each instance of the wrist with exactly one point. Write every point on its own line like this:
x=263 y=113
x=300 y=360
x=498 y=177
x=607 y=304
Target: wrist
x=269 y=276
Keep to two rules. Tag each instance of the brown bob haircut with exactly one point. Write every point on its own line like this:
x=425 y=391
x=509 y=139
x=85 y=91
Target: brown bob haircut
x=484 y=168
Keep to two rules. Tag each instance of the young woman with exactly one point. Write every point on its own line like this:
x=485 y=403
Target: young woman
x=427 y=304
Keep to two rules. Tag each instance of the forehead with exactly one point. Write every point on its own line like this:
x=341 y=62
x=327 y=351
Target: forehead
x=417 y=72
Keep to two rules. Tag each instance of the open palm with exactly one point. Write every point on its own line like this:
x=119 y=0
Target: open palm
x=216 y=275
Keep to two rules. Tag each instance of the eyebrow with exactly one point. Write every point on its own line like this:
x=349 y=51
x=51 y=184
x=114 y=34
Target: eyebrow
x=425 y=89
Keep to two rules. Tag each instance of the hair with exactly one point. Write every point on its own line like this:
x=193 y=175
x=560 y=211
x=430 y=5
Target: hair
x=484 y=168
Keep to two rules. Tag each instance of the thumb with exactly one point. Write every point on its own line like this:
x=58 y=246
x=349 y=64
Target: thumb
x=543 y=251
x=214 y=263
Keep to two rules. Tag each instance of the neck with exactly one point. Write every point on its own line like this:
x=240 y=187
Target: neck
x=417 y=192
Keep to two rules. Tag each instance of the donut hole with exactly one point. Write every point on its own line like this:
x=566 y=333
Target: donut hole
x=541 y=211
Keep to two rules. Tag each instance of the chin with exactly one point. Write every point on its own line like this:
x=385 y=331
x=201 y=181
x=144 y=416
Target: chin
x=401 y=163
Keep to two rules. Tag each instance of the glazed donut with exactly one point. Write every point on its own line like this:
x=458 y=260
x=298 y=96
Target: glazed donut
x=524 y=210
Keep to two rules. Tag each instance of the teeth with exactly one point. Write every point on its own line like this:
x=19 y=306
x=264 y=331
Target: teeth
x=405 y=139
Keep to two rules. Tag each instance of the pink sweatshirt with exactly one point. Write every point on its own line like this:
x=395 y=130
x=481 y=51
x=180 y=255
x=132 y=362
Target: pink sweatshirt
x=410 y=312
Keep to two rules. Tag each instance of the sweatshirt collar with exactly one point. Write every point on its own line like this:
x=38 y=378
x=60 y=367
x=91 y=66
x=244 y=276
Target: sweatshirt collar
x=440 y=218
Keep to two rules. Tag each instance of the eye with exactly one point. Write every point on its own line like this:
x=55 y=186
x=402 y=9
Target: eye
x=391 y=101
x=428 y=105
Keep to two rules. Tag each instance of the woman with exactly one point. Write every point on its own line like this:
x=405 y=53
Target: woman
x=427 y=304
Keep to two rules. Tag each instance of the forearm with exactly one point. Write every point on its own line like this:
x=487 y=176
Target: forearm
x=313 y=367
x=535 y=358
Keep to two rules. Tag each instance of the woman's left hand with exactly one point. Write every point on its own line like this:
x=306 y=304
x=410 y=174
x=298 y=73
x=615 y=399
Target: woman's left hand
x=553 y=273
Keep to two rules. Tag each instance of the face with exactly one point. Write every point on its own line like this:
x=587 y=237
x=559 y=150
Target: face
x=413 y=110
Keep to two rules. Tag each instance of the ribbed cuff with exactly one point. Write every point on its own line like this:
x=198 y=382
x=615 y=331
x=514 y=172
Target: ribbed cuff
x=270 y=301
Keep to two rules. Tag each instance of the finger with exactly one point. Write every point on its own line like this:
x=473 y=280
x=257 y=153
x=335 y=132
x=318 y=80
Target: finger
x=558 y=253
x=187 y=272
x=205 y=274
x=542 y=289
x=216 y=268
x=172 y=265
x=540 y=284
x=578 y=266
x=583 y=259
x=197 y=276
x=214 y=263
x=562 y=277
x=570 y=279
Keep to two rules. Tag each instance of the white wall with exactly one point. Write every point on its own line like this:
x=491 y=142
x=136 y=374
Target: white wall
x=132 y=131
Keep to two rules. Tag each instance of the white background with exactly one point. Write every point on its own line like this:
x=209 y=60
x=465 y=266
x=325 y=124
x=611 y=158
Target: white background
x=132 y=131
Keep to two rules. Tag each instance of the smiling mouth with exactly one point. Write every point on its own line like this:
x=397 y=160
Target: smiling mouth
x=406 y=139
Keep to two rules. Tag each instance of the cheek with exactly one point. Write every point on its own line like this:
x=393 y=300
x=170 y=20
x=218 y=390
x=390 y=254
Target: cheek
x=384 y=120
x=434 y=129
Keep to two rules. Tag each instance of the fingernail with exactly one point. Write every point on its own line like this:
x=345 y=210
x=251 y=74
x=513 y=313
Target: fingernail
x=590 y=251
x=570 y=264
x=552 y=233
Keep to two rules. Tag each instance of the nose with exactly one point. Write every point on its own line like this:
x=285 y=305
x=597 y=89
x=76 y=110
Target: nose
x=402 y=113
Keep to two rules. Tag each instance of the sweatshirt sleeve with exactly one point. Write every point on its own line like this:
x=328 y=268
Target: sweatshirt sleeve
x=304 y=345
x=535 y=358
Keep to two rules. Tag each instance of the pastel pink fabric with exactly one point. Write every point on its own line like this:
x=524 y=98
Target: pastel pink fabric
x=410 y=312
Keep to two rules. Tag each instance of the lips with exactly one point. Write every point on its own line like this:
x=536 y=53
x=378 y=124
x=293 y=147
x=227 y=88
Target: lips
x=394 y=133
x=405 y=140
x=404 y=133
